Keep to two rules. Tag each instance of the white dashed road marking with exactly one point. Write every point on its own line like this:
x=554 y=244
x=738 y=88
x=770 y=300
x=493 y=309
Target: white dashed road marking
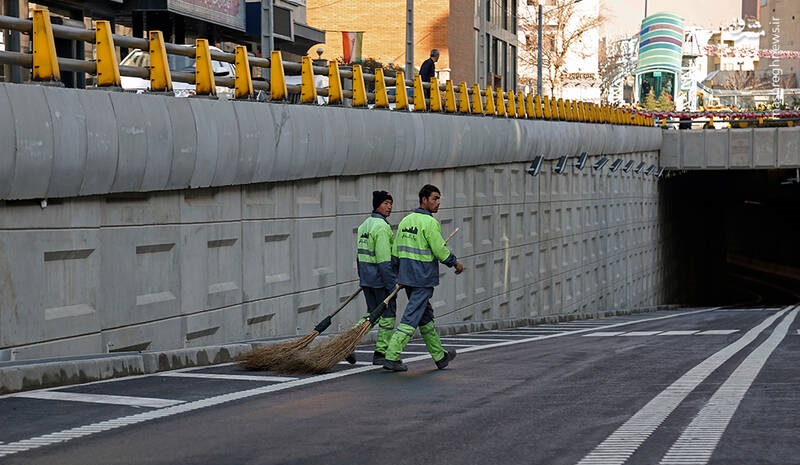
x=226 y=377
x=719 y=331
x=623 y=442
x=700 y=438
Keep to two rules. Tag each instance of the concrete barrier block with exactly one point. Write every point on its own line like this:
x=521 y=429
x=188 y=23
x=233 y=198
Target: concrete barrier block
x=132 y=134
x=102 y=143
x=161 y=335
x=159 y=144
x=184 y=143
x=314 y=199
x=140 y=274
x=693 y=149
x=224 y=121
x=765 y=147
x=7 y=133
x=270 y=317
x=69 y=130
x=741 y=148
x=34 y=143
x=312 y=306
x=248 y=132
x=482 y=281
x=128 y=209
x=788 y=147
x=268 y=269
x=716 y=147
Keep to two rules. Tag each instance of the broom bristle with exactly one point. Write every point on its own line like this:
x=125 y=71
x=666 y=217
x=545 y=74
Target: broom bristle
x=264 y=358
x=321 y=357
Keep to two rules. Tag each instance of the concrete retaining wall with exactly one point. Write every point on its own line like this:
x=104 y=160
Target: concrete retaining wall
x=198 y=223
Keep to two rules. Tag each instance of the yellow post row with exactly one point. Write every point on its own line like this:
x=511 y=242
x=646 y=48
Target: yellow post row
x=490 y=108
x=335 y=95
x=537 y=106
x=160 y=76
x=554 y=110
x=419 y=95
x=107 y=67
x=308 y=91
x=45 y=59
x=277 y=79
x=477 y=103
x=243 y=82
x=401 y=96
x=521 y=111
x=381 y=96
x=359 y=88
x=529 y=108
x=449 y=97
x=463 y=98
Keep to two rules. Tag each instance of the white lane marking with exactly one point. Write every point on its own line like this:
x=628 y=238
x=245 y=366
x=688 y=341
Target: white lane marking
x=699 y=440
x=623 y=442
x=474 y=339
x=604 y=334
x=279 y=379
x=679 y=333
x=454 y=344
x=100 y=399
x=640 y=333
x=87 y=430
x=718 y=331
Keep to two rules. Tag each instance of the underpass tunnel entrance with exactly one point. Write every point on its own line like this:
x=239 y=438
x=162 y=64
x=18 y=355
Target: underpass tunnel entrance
x=736 y=235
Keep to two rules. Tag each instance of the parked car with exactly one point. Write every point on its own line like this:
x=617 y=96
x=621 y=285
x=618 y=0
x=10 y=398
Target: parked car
x=141 y=58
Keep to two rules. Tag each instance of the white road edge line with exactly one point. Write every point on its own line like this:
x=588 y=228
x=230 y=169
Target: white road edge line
x=622 y=443
x=87 y=430
x=101 y=399
x=699 y=440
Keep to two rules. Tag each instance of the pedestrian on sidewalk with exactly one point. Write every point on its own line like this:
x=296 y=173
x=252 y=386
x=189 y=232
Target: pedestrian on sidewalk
x=376 y=273
x=418 y=249
x=428 y=69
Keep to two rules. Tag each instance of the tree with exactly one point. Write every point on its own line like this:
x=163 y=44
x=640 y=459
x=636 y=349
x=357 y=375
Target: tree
x=664 y=102
x=563 y=34
x=650 y=101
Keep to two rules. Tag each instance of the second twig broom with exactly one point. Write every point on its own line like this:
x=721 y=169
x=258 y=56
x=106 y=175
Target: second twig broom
x=263 y=358
x=322 y=357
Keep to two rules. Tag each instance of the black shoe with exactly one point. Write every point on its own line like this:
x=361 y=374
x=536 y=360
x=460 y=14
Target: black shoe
x=351 y=359
x=378 y=358
x=394 y=365
x=449 y=354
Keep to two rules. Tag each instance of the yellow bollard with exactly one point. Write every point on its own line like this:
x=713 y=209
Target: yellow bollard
x=335 y=94
x=203 y=73
x=419 y=95
x=490 y=108
x=45 y=59
x=463 y=98
x=449 y=97
x=477 y=103
x=401 y=96
x=381 y=97
x=243 y=82
x=107 y=67
x=277 y=78
x=308 y=91
x=359 y=88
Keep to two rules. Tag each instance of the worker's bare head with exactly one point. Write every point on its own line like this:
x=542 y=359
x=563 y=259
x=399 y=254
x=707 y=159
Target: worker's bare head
x=429 y=197
x=435 y=55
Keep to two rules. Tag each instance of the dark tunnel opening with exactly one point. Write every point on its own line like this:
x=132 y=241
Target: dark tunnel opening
x=735 y=235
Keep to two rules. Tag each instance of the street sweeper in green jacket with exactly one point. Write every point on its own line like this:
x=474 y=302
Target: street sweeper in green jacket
x=418 y=249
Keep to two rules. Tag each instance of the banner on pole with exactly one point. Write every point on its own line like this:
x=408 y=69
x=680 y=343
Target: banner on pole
x=351 y=46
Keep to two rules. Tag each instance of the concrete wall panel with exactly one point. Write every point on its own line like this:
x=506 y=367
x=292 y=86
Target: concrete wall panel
x=765 y=147
x=132 y=126
x=34 y=143
x=208 y=141
x=207 y=205
x=228 y=137
x=716 y=146
x=693 y=149
x=741 y=147
x=69 y=129
x=268 y=266
x=214 y=327
x=789 y=147
x=248 y=134
x=158 y=335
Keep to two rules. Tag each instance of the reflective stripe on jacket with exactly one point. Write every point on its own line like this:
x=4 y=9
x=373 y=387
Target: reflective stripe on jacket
x=418 y=248
x=374 y=253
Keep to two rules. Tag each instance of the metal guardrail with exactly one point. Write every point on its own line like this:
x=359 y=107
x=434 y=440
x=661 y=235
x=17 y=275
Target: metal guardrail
x=45 y=67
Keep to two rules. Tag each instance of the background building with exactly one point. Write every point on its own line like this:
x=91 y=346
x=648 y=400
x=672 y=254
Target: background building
x=476 y=38
x=781 y=22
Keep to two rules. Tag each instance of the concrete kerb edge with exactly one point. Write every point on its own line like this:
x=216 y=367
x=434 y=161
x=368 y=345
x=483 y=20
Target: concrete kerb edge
x=63 y=373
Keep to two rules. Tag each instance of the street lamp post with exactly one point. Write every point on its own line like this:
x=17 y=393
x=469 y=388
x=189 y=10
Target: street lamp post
x=539 y=52
x=409 y=39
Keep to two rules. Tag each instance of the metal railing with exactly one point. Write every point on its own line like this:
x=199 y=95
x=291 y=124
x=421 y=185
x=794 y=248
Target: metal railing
x=45 y=67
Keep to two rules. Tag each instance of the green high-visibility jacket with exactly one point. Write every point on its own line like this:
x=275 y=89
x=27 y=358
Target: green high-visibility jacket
x=374 y=254
x=418 y=249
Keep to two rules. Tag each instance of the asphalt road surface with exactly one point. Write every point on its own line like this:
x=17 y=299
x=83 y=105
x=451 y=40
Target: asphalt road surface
x=691 y=386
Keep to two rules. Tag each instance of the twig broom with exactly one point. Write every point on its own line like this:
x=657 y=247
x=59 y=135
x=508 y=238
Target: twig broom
x=263 y=358
x=322 y=357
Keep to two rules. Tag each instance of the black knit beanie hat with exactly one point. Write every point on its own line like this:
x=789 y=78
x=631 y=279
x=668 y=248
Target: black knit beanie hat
x=378 y=197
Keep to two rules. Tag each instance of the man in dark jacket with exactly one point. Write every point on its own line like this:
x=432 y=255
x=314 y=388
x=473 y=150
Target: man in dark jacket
x=428 y=69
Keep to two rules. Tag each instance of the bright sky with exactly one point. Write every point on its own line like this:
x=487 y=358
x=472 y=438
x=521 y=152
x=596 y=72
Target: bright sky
x=625 y=16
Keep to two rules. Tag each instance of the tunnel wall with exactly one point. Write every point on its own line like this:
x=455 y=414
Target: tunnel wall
x=175 y=223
